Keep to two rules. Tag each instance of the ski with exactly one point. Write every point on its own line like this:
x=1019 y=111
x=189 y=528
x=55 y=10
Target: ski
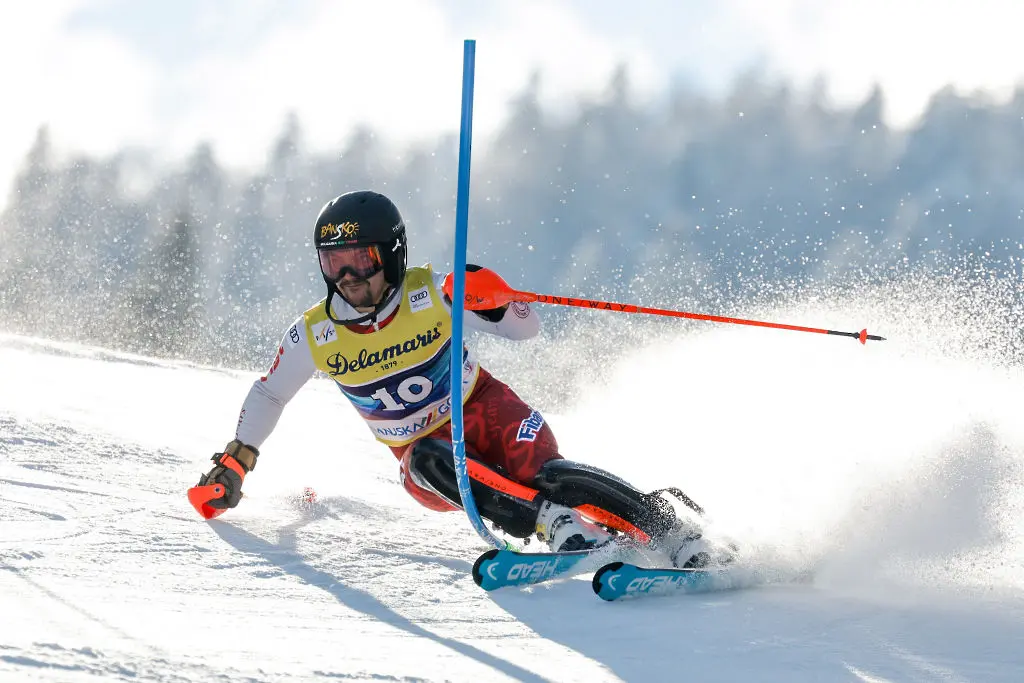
x=503 y=568
x=623 y=580
x=500 y=568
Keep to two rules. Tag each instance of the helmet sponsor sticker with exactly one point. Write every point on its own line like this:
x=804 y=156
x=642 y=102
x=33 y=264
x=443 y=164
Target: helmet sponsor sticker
x=420 y=299
x=324 y=332
x=346 y=230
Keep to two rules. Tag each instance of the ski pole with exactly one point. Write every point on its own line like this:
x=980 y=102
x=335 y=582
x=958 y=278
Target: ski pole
x=485 y=289
x=462 y=477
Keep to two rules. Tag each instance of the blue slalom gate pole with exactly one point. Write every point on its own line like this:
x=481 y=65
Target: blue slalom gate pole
x=458 y=295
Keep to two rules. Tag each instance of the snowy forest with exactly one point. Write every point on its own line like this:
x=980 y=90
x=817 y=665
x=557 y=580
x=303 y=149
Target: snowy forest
x=689 y=201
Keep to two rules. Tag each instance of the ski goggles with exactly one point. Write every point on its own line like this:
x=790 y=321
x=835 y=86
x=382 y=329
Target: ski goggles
x=361 y=262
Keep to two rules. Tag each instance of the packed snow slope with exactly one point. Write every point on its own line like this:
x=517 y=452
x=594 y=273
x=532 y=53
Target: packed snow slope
x=894 y=471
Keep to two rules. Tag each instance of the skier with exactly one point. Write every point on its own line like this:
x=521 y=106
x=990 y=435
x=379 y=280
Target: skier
x=383 y=334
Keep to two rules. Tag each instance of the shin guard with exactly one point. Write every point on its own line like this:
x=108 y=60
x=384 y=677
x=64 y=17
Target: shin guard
x=581 y=486
x=511 y=506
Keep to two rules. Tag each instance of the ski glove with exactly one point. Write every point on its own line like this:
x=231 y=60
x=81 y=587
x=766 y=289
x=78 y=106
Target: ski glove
x=233 y=464
x=480 y=284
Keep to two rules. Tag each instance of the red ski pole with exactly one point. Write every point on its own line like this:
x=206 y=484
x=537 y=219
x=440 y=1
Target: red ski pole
x=485 y=289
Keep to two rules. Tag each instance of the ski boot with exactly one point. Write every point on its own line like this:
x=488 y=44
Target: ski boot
x=565 y=529
x=685 y=543
x=697 y=552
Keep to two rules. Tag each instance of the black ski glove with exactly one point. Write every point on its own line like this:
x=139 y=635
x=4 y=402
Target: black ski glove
x=233 y=464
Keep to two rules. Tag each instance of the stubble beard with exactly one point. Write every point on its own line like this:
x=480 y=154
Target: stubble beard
x=359 y=296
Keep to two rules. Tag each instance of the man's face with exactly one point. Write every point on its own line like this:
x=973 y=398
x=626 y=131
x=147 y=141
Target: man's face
x=362 y=293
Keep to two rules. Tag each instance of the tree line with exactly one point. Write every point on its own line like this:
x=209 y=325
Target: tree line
x=709 y=200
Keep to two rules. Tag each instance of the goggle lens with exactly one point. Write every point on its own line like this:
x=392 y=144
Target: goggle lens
x=361 y=262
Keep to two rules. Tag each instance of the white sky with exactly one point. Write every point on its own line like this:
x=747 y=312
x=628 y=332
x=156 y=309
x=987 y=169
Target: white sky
x=163 y=75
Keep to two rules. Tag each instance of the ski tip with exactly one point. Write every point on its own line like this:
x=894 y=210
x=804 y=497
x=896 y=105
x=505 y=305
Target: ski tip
x=478 y=576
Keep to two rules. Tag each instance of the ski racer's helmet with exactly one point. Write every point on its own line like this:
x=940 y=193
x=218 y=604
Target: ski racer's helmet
x=362 y=232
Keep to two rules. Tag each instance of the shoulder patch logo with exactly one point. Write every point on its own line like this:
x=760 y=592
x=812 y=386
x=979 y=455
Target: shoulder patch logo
x=324 y=332
x=529 y=427
x=420 y=299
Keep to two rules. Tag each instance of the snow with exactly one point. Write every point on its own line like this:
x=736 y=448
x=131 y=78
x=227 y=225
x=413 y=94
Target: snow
x=896 y=478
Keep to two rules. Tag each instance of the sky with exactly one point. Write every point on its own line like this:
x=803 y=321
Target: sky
x=103 y=74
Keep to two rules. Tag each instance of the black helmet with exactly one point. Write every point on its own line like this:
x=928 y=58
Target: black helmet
x=363 y=218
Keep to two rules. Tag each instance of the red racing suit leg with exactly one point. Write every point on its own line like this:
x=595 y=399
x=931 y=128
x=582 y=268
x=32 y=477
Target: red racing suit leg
x=500 y=430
